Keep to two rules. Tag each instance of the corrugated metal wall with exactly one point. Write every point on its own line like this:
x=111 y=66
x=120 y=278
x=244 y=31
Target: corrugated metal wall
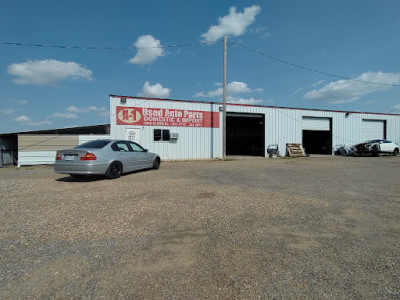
x=40 y=149
x=192 y=143
x=282 y=126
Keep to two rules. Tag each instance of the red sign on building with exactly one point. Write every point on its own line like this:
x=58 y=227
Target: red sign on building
x=166 y=117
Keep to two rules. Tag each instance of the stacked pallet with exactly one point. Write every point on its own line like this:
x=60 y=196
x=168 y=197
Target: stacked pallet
x=295 y=150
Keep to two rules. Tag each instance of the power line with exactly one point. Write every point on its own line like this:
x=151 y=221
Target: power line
x=311 y=69
x=102 y=47
x=192 y=45
x=65 y=47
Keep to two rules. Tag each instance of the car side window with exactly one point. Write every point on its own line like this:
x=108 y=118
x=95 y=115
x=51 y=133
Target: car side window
x=120 y=146
x=136 y=148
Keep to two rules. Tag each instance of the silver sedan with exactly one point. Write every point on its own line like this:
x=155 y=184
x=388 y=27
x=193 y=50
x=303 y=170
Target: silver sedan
x=105 y=157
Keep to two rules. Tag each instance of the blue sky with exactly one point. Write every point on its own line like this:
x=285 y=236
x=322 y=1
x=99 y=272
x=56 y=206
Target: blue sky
x=280 y=53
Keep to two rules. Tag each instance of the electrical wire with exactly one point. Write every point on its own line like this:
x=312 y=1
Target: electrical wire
x=197 y=44
x=311 y=69
x=103 y=47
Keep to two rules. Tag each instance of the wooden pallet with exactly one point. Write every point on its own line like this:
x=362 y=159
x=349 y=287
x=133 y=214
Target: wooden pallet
x=295 y=150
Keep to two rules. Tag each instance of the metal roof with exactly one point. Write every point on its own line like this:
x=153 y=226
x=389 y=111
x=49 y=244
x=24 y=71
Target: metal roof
x=253 y=105
x=93 y=129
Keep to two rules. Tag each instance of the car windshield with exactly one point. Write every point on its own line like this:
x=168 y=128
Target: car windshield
x=94 y=144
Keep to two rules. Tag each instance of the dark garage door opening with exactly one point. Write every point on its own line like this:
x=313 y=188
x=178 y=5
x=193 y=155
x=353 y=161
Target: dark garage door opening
x=245 y=134
x=317 y=142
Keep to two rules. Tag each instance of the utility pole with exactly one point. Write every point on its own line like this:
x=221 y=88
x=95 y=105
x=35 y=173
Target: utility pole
x=224 y=106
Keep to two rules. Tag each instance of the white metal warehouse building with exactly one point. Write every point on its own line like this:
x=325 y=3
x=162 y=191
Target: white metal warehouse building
x=177 y=129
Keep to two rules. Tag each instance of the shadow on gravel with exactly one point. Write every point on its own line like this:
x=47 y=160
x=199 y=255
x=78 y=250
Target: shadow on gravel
x=91 y=178
x=83 y=179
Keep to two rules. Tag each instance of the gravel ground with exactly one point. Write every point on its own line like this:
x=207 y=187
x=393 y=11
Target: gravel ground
x=317 y=227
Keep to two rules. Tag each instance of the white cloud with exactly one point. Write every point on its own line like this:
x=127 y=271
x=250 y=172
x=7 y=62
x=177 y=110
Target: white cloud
x=232 y=24
x=297 y=91
x=21 y=102
x=73 y=111
x=104 y=113
x=36 y=124
x=237 y=87
x=22 y=119
x=395 y=109
x=87 y=109
x=6 y=111
x=238 y=100
x=149 y=49
x=260 y=31
x=343 y=91
x=217 y=92
x=233 y=88
x=27 y=121
x=271 y=102
x=156 y=91
x=64 y=115
x=48 y=72
x=315 y=84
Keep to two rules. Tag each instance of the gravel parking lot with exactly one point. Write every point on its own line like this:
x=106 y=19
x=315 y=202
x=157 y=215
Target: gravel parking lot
x=316 y=227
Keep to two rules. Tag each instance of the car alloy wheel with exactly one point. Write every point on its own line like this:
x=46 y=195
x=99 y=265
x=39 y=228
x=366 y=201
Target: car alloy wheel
x=114 y=171
x=156 y=163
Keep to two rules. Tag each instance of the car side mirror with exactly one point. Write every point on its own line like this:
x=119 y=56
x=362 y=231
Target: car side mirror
x=146 y=150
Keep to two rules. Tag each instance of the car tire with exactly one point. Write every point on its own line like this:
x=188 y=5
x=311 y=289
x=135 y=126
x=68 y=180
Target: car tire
x=395 y=152
x=114 y=171
x=156 y=163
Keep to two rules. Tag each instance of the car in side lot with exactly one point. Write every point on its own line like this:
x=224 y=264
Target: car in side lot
x=110 y=158
x=375 y=147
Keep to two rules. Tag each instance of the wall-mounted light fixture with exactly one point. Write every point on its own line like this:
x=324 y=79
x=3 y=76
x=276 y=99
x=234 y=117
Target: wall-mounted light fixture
x=123 y=100
x=347 y=114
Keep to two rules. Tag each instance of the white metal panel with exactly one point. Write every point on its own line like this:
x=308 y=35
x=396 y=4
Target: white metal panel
x=28 y=158
x=372 y=129
x=317 y=124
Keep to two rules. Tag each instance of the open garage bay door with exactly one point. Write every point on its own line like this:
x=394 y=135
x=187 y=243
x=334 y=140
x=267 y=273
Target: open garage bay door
x=317 y=135
x=245 y=134
x=373 y=129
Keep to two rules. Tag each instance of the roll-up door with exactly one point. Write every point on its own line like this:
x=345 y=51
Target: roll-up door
x=317 y=135
x=245 y=134
x=372 y=129
x=316 y=124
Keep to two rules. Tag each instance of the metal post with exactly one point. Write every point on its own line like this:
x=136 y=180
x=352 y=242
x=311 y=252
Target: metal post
x=224 y=106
